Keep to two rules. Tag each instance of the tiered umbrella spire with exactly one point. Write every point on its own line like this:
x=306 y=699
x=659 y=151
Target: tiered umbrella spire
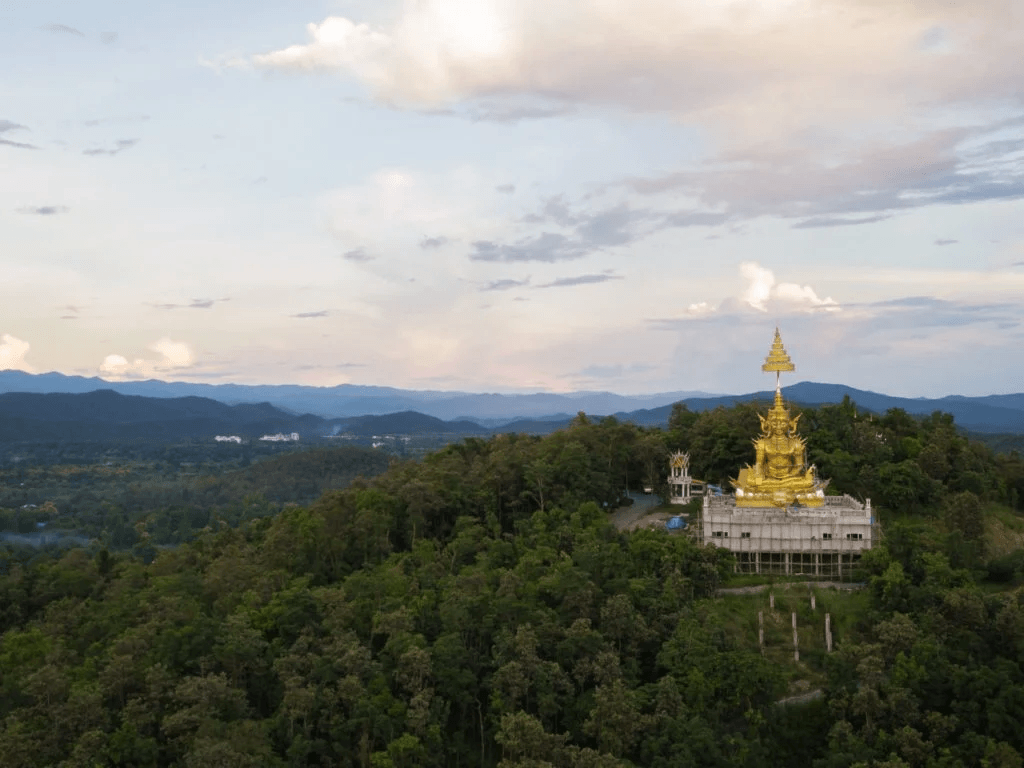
x=778 y=360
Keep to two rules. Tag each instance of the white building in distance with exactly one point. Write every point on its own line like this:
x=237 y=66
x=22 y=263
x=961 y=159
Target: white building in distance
x=280 y=437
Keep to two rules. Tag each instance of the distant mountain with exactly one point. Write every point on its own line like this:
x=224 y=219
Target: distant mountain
x=405 y=423
x=107 y=415
x=978 y=414
x=176 y=408
x=354 y=400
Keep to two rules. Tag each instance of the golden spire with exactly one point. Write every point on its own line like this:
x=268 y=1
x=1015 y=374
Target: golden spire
x=780 y=475
x=778 y=359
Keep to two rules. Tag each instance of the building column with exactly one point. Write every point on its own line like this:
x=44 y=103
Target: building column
x=789 y=562
x=757 y=562
x=817 y=564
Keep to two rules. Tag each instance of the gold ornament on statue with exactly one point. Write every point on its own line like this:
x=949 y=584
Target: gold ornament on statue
x=780 y=476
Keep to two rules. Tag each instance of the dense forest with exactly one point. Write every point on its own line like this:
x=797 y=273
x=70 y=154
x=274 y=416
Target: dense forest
x=478 y=608
x=152 y=497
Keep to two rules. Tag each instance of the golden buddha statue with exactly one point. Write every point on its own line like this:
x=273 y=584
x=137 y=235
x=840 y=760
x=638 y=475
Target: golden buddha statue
x=780 y=476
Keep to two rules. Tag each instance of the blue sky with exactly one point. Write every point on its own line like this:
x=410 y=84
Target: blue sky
x=499 y=195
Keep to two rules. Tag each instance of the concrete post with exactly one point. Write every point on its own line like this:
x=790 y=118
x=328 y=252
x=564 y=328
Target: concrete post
x=771 y=600
x=760 y=631
x=796 y=641
x=828 y=633
x=812 y=602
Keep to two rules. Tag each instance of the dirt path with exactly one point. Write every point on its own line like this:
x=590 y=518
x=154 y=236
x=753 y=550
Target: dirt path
x=802 y=698
x=753 y=590
x=631 y=517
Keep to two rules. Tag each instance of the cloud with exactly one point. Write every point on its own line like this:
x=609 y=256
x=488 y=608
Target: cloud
x=870 y=182
x=817 y=137
x=506 y=284
x=318 y=313
x=831 y=221
x=141 y=118
x=760 y=284
x=396 y=211
x=18 y=144
x=803 y=296
x=702 y=62
x=762 y=288
x=762 y=293
x=220 y=63
x=329 y=367
x=63 y=29
x=699 y=309
x=946 y=242
x=547 y=246
x=589 y=232
x=174 y=356
x=357 y=254
x=433 y=242
x=12 y=353
x=7 y=125
x=506 y=189
x=108 y=38
x=44 y=210
x=192 y=304
x=616 y=371
x=121 y=146
x=565 y=282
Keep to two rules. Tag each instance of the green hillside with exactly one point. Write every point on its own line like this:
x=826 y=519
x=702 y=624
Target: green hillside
x=477 y=608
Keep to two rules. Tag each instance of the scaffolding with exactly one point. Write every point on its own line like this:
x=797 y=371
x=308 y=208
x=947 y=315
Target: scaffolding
x=824 y=542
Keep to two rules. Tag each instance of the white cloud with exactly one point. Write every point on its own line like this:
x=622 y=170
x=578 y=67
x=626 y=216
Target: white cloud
x=762 y=289
x=831 y=63
x=336 y=43
x=12 y=353
x=803 y=295
x=759 y=290
x=177 y=354
x=398 y=209
x=220 y=63
x=174 y=355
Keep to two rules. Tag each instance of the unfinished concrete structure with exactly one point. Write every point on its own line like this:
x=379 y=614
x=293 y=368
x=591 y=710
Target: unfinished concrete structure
x=825 y=541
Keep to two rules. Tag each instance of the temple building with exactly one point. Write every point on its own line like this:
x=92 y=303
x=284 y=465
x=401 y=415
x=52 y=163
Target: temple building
x=680 y=484
x=780 y=520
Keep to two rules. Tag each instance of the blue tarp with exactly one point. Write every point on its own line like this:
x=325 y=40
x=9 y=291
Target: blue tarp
x=675 y=523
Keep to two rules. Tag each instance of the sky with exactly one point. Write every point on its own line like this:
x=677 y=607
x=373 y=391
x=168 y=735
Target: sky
x=515 y=195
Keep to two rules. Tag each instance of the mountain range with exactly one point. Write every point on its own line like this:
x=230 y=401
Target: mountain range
x=357 y=400
x=57 y=407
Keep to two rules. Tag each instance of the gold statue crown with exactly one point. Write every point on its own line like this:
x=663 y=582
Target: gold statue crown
x=778 y=359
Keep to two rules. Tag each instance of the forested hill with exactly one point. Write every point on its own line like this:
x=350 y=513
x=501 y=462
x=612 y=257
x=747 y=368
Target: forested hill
x=997 y=413
x=478 y=609
x=108 y=415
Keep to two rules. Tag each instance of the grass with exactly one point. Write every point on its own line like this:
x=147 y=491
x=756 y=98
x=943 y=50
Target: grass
x=736 y=615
